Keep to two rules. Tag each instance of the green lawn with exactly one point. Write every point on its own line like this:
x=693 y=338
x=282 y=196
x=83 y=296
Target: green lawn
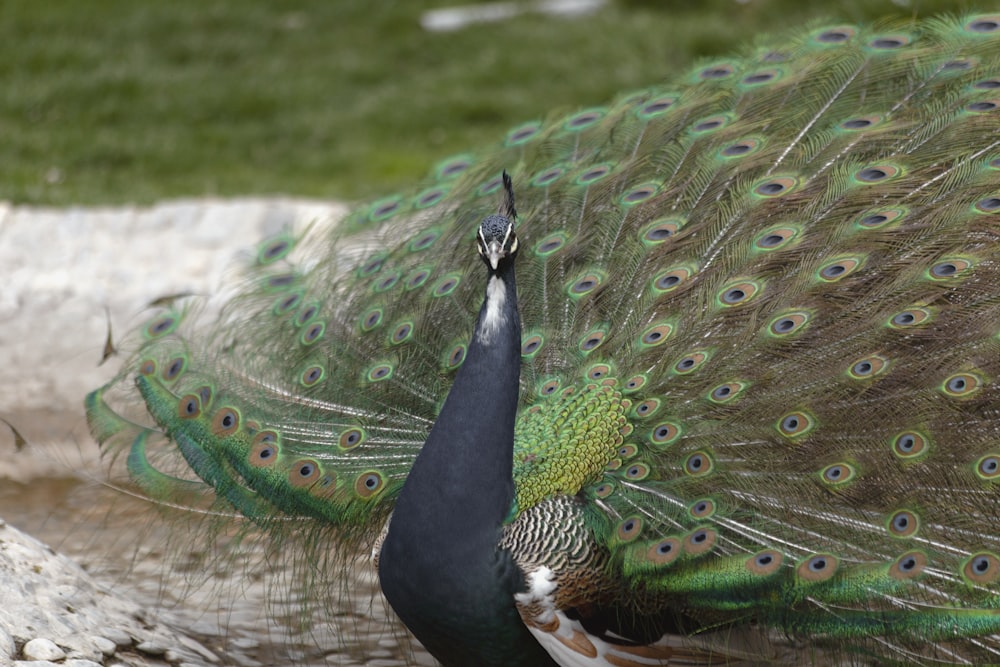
x=110 y=101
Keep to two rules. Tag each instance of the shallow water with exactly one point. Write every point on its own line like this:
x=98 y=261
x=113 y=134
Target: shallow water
x=249 y=606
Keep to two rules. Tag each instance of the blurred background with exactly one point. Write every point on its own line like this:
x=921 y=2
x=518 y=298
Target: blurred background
x=125 y=101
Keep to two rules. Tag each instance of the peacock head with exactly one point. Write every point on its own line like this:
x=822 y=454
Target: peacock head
x=497 y=240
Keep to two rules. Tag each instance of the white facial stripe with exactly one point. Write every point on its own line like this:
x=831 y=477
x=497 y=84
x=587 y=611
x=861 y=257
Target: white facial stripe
x=496 y=297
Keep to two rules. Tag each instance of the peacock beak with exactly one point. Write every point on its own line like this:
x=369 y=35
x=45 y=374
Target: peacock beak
x=494 y=253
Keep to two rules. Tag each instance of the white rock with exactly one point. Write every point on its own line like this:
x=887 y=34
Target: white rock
x=43 y=649
x=106 y=646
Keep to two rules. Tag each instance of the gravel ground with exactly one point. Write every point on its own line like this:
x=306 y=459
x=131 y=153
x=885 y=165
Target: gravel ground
x=118 y=589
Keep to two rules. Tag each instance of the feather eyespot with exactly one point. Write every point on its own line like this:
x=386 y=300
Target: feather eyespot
x=988 y=205
x=593 y=174
x=671 y=280
x=453 y=166
x=225 y=422
x=738 y=293
x=796 y=424
x=725 y=393
x=379 y=372
x=369 y=484
x=591 y=341
x=583 y=119
x=522 y=134
x=351 y=438
x=981 y=568
x=162 y=326
x=655 y=107
x=741 y=148
x=445 y=286
x=384 y=209
x=634 y=383
x=598 y=371
x=286 y=303
x=456 y=356
x=910 y=318
x=264 y=449
x=765 y=562
x=908 y=565
x=627 y=451
x=903 y=524
x=147 y=368
x=304 y=473
x=948 y=268
x=665 y=433
x=775 y=238
x=205 y=393
x=818 y=568
x=984 y=24
x=889 y=42
x=988 y=467
x=630 y=528
x=306 y=314
x=838 y=269
x=639 y=194
x=189 y=407
x=274 y=249
x=604 y=490
x=717 y=72
x=174 y=369
x=835 y=36
x=531 y=345
x=961 y=385
x=637 y=472
x=280 y=281
x=417 y=279
x=549 y=387
x=879 y=218
x=547 y=177
x=910 y=445
x=838 y=473
x=585 y=284
x=402 y=333
x=711 y=124
x=983 y=106
x=426 y=199
x=665 y=551
x=789 y=323
x=877 y=173
x=661 y=230
x=371 y=319
x=690 y=363
x=656 y=335
x=866 y=368
x=550 y=244
x=860 y=123
x=776 y=187
x=702 y=509
x=700 y=541
x=490 y=186
x=760 y=78
x=312 y=333
x=312 y=376
x=698 y=464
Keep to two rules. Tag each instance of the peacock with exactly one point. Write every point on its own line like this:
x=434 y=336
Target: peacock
x=740 y=405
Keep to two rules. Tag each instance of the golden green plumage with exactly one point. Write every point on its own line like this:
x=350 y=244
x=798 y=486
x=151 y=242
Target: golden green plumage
x=761 y=349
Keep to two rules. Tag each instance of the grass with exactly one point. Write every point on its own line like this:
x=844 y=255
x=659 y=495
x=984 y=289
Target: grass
x=114 y=101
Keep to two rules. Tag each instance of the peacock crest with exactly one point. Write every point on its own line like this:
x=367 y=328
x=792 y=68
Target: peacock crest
x=759 y=382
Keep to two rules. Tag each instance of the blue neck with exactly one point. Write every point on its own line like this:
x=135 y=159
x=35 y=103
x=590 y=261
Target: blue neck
x=440 y=567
